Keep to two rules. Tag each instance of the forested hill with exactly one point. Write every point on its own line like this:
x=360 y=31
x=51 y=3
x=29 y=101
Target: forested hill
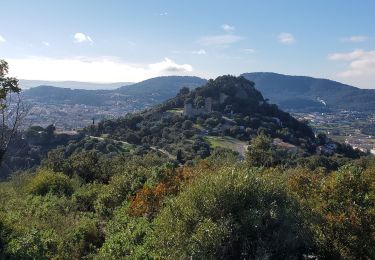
x=192 y=122
x=299 y=92
x=164 y=86
x=148 y=92
x=227 y=112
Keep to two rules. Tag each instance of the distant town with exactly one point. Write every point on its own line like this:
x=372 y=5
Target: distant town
x=78 y=116
x=350 y=127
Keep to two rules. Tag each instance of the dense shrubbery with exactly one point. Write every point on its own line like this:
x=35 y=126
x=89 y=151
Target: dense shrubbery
x=231 y=214
x=219 y=207
x=49 y=182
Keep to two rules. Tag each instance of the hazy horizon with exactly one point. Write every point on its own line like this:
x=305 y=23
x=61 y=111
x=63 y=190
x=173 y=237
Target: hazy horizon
x=87 y=85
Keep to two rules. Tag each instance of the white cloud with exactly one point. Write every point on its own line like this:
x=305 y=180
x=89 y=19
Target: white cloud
x=168 y=66
x=228 y=28
x=105 y=69
x=356 y=54
x=360 y=67
x=286 y=38
x=81 y=37
x=200 y=52
x=2 y=39
x=163 y=14
x=355 y=39
x=217 y=40
x=45 y=43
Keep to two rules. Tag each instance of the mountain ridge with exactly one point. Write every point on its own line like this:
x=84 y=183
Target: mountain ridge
x=296 y=92
x=289 y=92
x=28 y=84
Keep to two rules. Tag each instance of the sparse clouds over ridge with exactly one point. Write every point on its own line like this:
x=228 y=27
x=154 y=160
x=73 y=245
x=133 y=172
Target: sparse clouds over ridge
x=248 y=50
x=2 y=39
x=286 y=38
x=360 y=66
x=223 y=39
x=81 y=38
x=200 y=52
x=228 y=28
x=355 y=39
x=104 y=69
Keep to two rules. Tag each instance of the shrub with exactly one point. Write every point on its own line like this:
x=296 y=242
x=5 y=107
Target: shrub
x=235 y=213
x=46 y=181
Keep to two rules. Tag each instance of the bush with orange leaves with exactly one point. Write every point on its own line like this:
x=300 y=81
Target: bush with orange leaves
x=148 y=200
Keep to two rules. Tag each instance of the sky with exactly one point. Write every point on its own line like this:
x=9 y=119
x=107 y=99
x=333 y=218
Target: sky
x=130 y=41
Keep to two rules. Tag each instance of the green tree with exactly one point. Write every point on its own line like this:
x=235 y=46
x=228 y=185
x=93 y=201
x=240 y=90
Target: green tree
x=231 y=214
x=262 y=152
x=11 y=109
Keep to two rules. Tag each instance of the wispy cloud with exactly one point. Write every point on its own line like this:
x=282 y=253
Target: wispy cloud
x=223 y=39
x=228 y=28
x=45 y=43
x=286 y=38
x=248 y=50
x=348 y=56
x=2 y=39
x=163 y=14
x=103 y=69
x=360 y=66
x=200 y=52
x=355 y=38
x=81 y=38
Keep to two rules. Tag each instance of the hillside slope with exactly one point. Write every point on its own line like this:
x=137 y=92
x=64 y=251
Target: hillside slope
x=148 y=92
x=192 y=122
x=300 y=92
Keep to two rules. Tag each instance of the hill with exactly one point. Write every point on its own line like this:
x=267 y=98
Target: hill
x=27 y=84
x=57 y=95
x=148 y=92
x=191 y=123
x=307 y=93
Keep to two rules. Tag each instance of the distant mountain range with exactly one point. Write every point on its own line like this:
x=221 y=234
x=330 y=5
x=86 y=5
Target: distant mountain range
x=26 y=84
x=307 y=93
x=150 y=92
x=289 y=92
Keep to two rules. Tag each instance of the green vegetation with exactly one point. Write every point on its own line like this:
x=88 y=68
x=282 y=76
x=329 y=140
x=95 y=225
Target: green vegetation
x=219 y=207
x=114 y=192
x=11 y=109
x=226 y=142
x=239 y=112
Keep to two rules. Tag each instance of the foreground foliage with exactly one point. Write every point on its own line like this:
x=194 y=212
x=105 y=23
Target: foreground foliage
x=142 y=206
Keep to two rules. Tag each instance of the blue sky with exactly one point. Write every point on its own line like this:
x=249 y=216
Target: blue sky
x=112 y=41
